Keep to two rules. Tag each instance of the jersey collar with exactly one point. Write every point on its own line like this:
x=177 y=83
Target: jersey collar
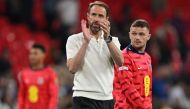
x=131 y=48
x=45 y=66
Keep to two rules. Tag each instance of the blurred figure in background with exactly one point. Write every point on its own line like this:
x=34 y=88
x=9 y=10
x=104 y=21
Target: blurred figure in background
x=160 y=86
x=38 y=84
x=167 y=37
x=68 y=15
x=7 y=86
x=68 y=12
x=177 y=96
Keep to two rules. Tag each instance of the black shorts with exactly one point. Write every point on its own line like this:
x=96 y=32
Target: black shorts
x=87 y=103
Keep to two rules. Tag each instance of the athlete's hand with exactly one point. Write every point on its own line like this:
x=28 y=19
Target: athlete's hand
x=105 y=26
x=86 y=31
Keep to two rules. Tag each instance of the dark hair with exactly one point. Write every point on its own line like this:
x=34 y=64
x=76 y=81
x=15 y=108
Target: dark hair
x=141 y=23
x=39 y=46
x=99 y=3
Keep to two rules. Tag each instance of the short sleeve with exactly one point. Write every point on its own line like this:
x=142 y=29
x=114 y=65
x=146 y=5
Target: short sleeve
x=71 y=47
x=116 y=42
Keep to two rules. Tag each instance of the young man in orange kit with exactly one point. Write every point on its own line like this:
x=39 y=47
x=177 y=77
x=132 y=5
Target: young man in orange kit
x=38 y=84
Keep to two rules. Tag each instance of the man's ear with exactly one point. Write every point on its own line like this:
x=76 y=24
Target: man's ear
x=149 y=37
x=129 y=35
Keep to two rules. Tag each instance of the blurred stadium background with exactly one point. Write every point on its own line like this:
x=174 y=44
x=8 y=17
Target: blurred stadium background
x=50 y=22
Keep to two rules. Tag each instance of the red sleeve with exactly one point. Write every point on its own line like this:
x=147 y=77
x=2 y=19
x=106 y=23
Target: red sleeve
x=116 y=84
x=53 y=89
x=21 y=92
x=125 y=75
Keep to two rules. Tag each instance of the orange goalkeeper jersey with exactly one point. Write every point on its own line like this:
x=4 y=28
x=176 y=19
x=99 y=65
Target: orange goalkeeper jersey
x=133 y=81
x=38 y=89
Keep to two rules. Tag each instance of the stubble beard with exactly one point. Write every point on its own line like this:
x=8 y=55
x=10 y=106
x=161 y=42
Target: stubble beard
x=95 y=28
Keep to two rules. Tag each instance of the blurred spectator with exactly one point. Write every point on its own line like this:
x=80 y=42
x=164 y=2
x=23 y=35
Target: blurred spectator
x=160 y=86
x=180 y=24
x=4 y=66
x=176 y=63
x=158 y=6
x=65 y=96
x=177 y=97
x=50 y=10
x=186 y=68
x=7 y=86
x=187 y=39
x=154 y=51
x=19 y=10
x=68 y=13
x=168 y=40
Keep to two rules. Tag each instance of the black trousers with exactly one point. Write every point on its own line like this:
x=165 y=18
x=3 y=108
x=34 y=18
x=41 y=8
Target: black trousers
x=87 y=103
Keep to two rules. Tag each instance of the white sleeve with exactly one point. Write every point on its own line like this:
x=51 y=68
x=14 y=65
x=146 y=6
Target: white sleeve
x=71 y=47
x=116 y=42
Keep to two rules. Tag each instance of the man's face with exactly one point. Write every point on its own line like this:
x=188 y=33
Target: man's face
x=95 y=15
x=139 y=36
x=36 y=56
